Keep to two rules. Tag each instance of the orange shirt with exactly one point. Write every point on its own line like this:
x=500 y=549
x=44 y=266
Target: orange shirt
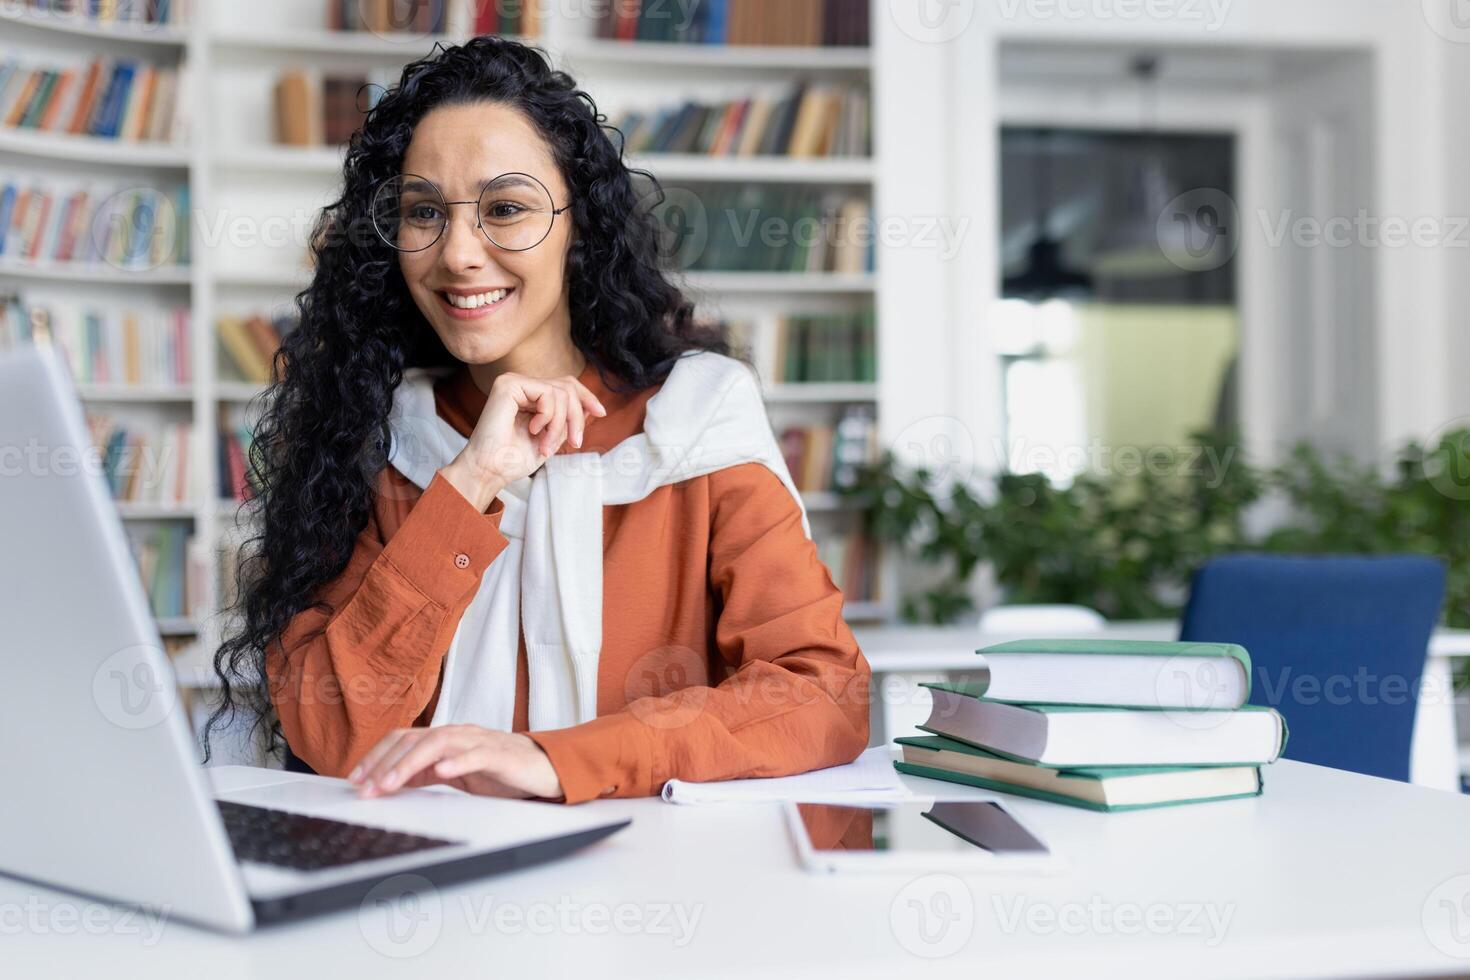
x=724 y=650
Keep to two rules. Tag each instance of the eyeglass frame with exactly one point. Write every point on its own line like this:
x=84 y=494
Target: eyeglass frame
x=378 y=189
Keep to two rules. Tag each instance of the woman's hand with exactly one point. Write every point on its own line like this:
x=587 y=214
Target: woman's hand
x=468 y=757
x=524 y=422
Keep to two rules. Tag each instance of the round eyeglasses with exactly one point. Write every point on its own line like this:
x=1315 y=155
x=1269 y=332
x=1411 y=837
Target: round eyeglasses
x=514 y=211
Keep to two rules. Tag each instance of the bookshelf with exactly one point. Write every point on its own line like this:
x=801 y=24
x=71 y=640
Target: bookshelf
x=232 y=167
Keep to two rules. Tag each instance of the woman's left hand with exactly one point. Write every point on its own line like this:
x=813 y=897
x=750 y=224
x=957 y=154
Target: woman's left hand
x=468 y=757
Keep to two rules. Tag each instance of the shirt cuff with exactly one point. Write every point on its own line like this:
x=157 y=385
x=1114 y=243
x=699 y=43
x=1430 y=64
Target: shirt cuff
x=607 y=756
x=444 y=544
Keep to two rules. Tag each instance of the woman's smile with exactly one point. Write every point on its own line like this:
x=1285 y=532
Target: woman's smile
x=472 y=304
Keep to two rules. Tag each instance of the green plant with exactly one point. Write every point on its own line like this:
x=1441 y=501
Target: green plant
x=1127 y=545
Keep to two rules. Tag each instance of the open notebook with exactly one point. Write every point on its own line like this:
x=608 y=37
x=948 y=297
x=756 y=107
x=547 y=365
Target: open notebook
x=870 y=778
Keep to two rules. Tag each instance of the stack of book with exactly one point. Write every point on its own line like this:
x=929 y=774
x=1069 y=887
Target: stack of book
x=316 y=108
x=123 y=98
x=767 y=228
x=137 y=12
x=823 y=457
x=810 y=120
x=148 y=465
x=1108 y=725
x=808 y=22
x=125 y=226
x=248 y=344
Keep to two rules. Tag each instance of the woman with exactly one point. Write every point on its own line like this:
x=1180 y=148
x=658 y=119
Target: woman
x=419 y=525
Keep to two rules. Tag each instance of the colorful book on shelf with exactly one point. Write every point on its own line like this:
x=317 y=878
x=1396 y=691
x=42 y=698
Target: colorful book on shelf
x=852 y=558
x=1095 y=736
x=143 y=465
x=827 y=230
x=109 y=345
x=516 y=17
x=825 y=121
x=1116 y=673
x=315 y=108
x=249 y=344
x=385 y=17
x=234 y=461
x=1109 y=789
x=162 y=554
x=139 y=12
x=49 y=221
x=776 y=22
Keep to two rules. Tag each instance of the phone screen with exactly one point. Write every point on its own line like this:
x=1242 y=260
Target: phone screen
x=919 y=827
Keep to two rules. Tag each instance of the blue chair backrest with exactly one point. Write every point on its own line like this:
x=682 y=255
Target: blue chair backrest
x=1337 y=645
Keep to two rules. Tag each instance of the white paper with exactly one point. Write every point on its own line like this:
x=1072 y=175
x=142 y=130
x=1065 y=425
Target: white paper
x=870 y=778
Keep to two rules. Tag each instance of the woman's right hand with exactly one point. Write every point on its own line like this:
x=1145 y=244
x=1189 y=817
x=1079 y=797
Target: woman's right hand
x=525 y=421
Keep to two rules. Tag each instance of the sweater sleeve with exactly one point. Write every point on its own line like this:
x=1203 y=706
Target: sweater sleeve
x=798 y=695
x=343 y=677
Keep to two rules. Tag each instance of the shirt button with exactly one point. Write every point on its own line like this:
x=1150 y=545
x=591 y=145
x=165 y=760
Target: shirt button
x=461 y=560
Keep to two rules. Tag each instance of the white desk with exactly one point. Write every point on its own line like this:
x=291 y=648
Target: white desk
x=1327 y=874
x=902 y=655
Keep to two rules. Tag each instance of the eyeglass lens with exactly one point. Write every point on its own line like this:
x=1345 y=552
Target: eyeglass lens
x=515 y=212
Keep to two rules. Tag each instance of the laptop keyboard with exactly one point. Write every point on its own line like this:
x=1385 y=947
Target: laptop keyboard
x=303 y=843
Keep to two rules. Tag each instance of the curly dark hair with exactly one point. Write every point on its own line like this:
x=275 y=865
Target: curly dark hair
x=322 y=439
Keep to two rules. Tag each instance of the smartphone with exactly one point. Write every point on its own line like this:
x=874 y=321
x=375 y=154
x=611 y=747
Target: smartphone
x=954 y=836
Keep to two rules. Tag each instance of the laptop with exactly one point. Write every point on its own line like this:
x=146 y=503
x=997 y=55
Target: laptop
x=104 y=794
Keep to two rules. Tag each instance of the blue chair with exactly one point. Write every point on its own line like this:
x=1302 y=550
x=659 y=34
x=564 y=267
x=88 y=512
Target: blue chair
x=1337 y=645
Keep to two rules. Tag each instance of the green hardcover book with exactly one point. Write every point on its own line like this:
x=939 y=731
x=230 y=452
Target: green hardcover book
x=1077 y=736
x=1109 y=790
x=1120 y=673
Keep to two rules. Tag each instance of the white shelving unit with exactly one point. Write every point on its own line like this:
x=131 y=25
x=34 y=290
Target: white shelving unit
x=233 y=169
